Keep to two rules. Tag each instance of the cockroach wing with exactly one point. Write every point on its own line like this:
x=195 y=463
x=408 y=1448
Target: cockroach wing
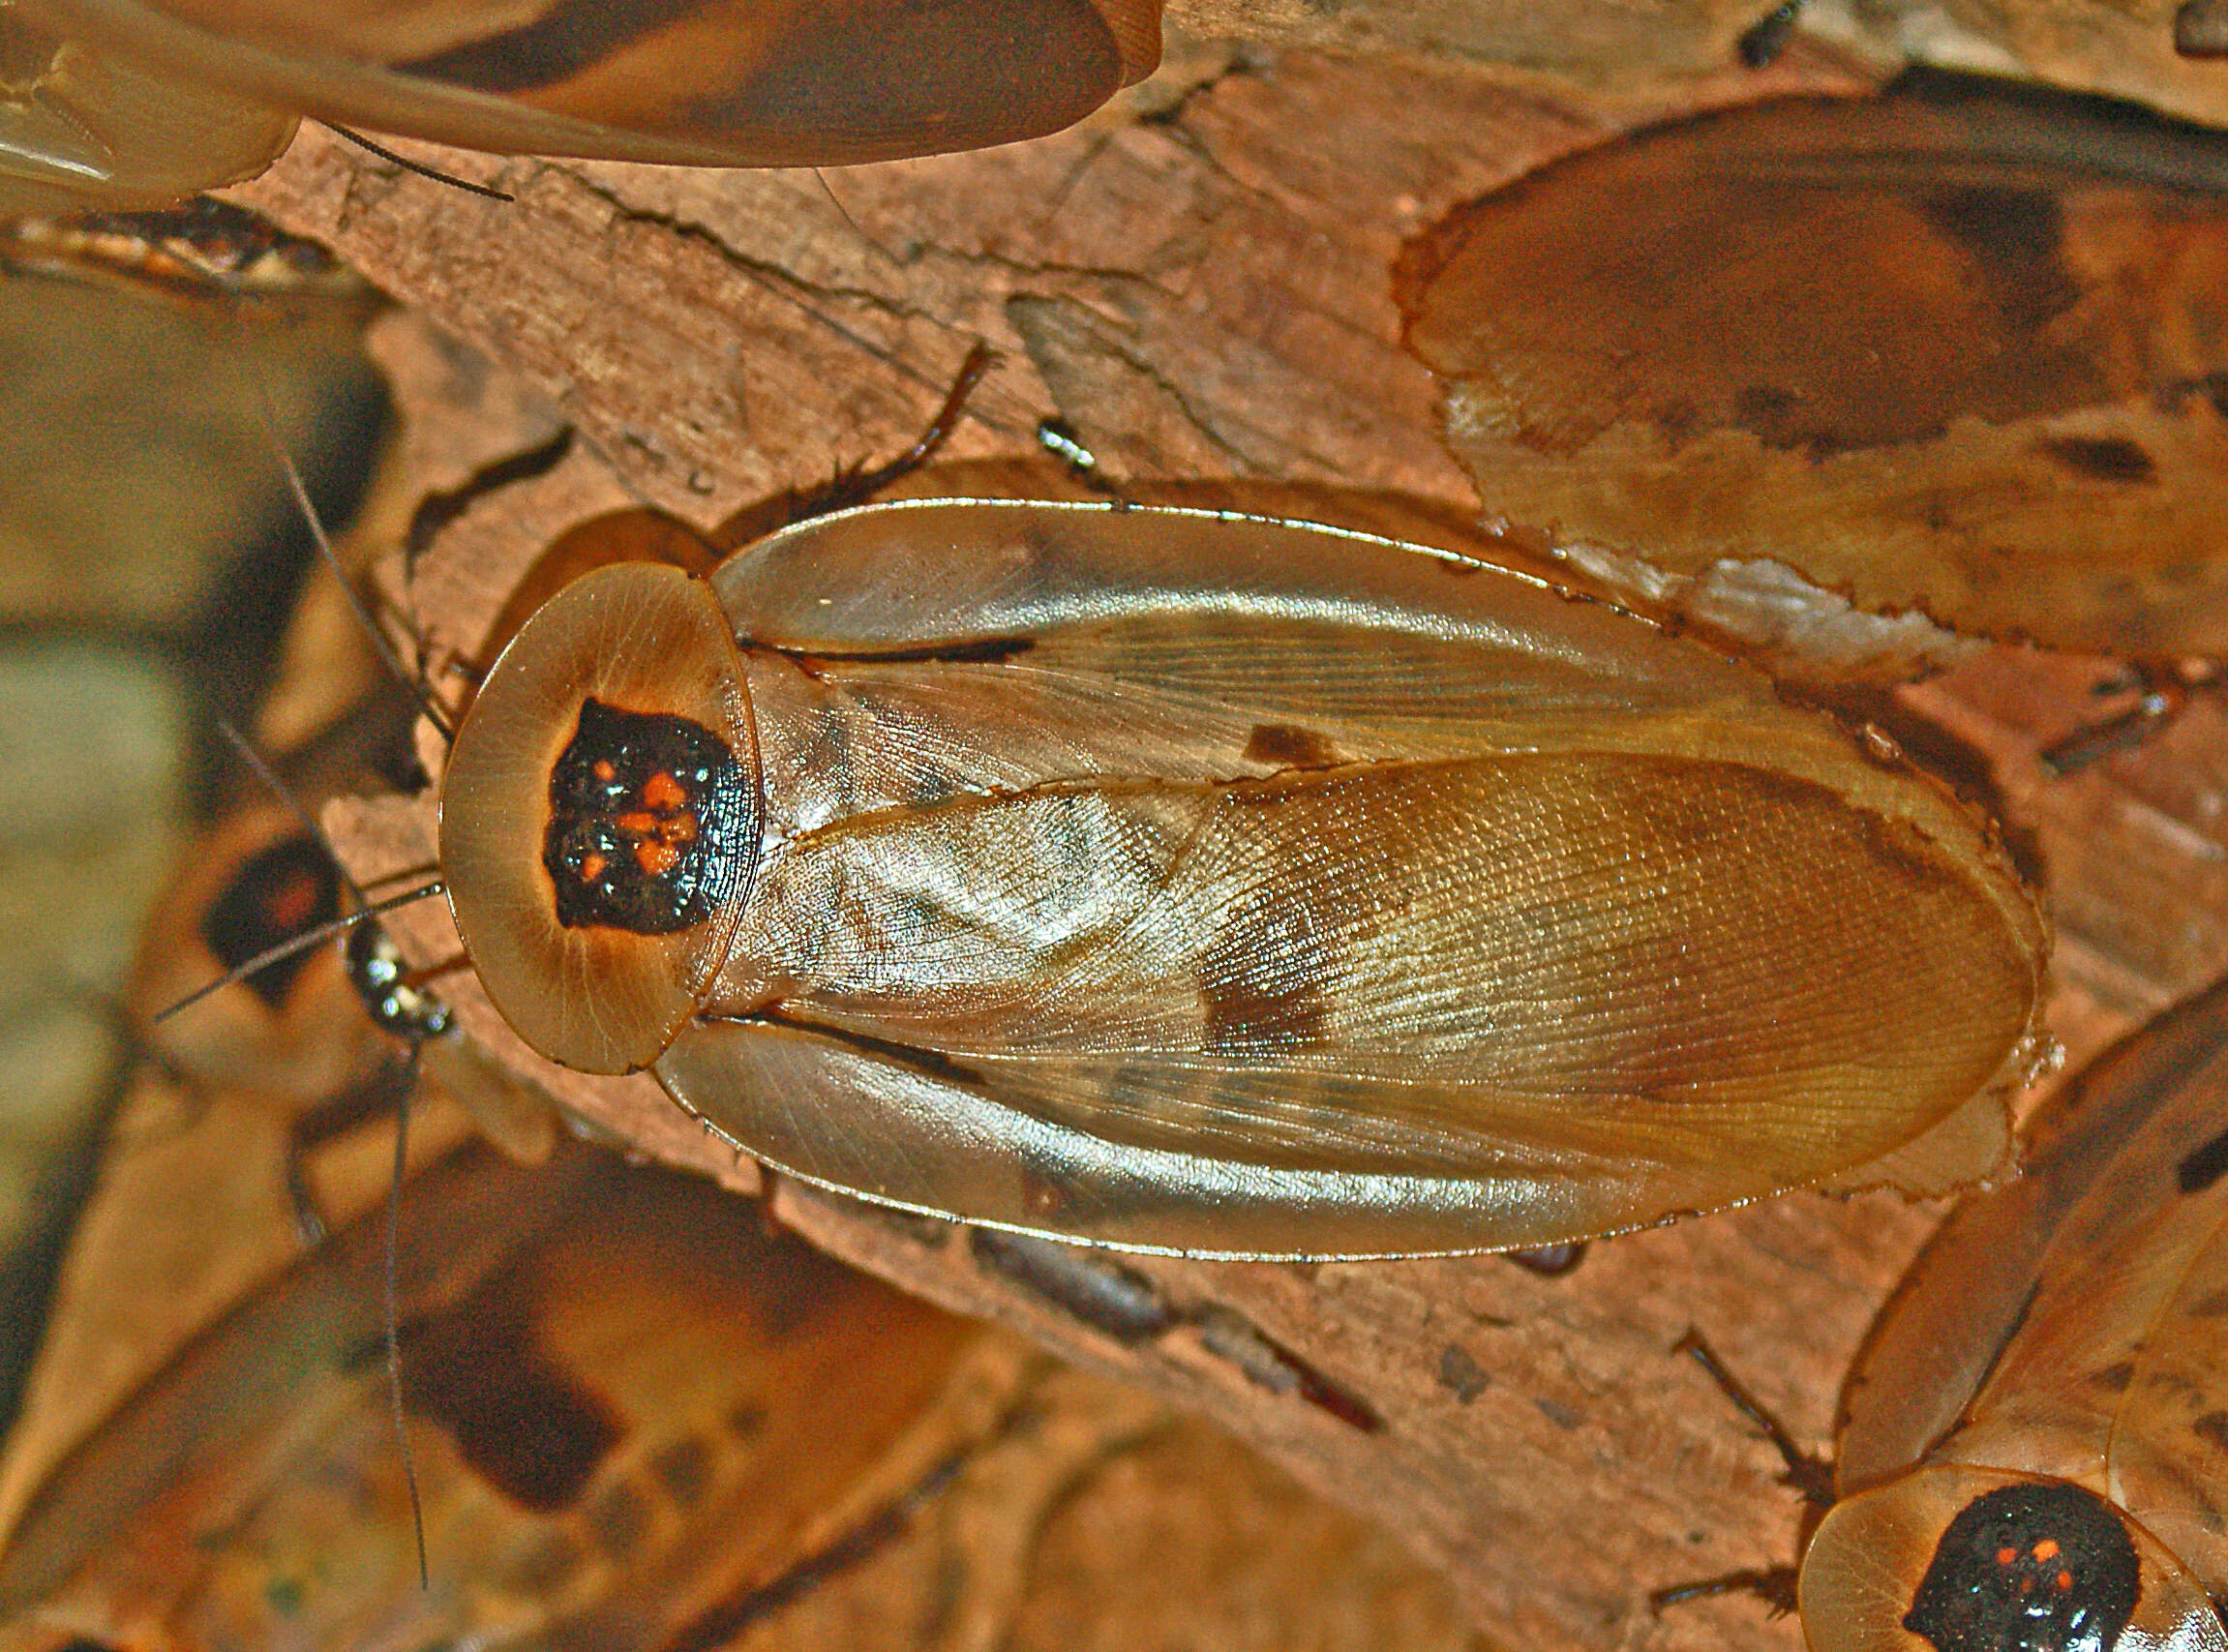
x=1953 y=350
x=1233 y=887
x=2114 y=1187
x=84 y=128
x=708 y=82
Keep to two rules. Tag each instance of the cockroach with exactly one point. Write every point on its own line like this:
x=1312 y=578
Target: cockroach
x=1958 y=352
x=636 y=1410
x=1185 y=880
x=125 y=103
x=2031 y=1442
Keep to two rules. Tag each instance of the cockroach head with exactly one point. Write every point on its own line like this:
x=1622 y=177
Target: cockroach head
x=600 y=816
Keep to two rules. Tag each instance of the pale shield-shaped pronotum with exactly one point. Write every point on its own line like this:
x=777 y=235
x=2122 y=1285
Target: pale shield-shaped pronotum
x=1199 y=882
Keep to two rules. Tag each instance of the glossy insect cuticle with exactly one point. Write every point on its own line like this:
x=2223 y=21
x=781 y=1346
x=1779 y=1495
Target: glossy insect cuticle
x=644 y=811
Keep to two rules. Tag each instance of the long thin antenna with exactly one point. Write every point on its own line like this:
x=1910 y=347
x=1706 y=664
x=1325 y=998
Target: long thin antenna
x=394 y=1313
x=363 y=616
x=301 y=943
x=260 y=766
x=419 y=166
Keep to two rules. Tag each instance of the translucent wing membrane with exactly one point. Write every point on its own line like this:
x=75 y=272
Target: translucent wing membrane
x=713 y=82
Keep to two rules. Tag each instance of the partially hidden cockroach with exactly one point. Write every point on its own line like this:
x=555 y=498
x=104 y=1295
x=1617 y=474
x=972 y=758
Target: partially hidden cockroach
x=633 y=1410
x=2032 y=1443
x=1187 y=880
x=136 y=102
x=1960 y=350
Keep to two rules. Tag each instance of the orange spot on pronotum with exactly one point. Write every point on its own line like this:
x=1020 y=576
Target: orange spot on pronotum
x=2006 y=1555
x=604 y=771
x=661 y=791
x=638 y=822
x=2064 y=1581
x=2046 y=1549
x=656 y=860
x=591 y=867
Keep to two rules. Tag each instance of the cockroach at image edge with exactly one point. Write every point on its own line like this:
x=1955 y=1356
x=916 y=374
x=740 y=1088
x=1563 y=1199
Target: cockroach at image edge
x=131 y=103
x=2032 y=1441
x=1953 y=364
x=1192 y=882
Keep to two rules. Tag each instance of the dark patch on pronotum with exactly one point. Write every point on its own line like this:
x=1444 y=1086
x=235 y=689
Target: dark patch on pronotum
x=1762 y=40
x=285 y=890
x=1118 y=1302
x=1461 y=1375
x=522 y=1424
x=1276 y=1368
x=1289 y=746
x=2203 y=1166
x=2037 y=1567
x=2201 y=28
x=650 y=814
x=2100 y=458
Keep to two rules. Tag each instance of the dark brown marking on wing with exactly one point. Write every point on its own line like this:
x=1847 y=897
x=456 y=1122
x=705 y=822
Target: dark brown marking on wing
x=2114 y=1379
x=984 y=650
x=527 y=1427
x=2203 y=1166
x=563 y=40
x=1263 y=977
x=1289 y=746
x=617 y=1519
x=2100 y=458
x=683 y=1469
x=934 y=1063
x=2212 y=1429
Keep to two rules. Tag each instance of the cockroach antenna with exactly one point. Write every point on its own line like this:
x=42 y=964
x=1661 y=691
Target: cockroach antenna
x=367 y=909
x=418 y=166
x=301 y=943
x=268 y=411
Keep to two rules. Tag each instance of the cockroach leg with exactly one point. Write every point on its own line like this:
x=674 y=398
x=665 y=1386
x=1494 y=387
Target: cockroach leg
x=856 y=484
x=1774 y=1585
x=1806 y=1472
x=313 y=1129
x=1549 y=1261
x=419 y=167
x=2162 y=691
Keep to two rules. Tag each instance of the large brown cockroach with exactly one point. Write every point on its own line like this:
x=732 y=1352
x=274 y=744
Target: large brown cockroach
x=136 y=102
x=2032 y=1441
x=1189 y=880
x=1959 y=350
